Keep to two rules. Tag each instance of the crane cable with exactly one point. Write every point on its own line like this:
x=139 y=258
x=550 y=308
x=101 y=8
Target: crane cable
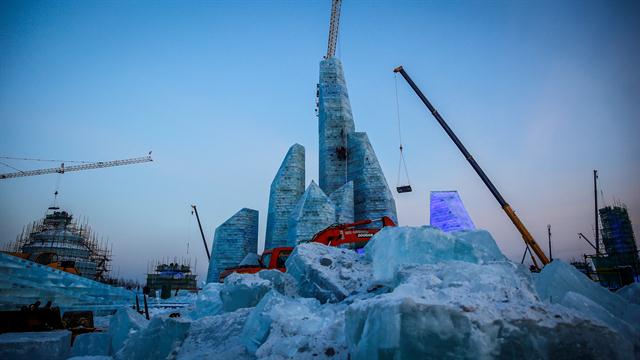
x=402 y=163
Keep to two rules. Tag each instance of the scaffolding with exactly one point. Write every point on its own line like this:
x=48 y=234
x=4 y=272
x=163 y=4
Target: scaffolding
x=169 y=276
x=617 y=261
x=58 y=233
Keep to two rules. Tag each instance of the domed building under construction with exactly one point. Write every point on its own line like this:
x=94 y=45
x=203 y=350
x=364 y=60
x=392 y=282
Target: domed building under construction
x=59 y=239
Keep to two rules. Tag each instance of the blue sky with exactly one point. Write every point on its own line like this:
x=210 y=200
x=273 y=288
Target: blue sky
x=541 y=93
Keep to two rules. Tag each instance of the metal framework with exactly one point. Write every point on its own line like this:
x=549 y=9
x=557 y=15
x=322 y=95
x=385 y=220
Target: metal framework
x=63 y=169
x=333 y=28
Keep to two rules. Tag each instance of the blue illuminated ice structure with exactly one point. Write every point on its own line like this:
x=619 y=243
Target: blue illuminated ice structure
x=286 y=189
x=24 y=282
x=343 y=201
x=335 y=123
x=447 y=212
x=233 y=240
x=314 y=212
x=371 y=195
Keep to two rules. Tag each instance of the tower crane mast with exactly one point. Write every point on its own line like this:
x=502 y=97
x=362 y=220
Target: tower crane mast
x=63 y=169
x=333 y=28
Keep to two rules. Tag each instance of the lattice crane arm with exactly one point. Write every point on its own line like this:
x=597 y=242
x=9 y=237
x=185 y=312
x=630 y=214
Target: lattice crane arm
x=333 y=28
x=63 y=169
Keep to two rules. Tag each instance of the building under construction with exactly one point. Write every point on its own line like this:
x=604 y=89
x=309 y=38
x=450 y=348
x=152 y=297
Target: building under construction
x=171 y=276
x=59 y=236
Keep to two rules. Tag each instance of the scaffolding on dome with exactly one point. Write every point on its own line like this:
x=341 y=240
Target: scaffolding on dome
x=59 y=233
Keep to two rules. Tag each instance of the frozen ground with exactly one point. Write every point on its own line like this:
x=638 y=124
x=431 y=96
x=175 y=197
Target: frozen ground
x=417 y=293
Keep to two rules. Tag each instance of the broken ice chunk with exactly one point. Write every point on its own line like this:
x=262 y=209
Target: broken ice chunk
x=35 y=345
x=395 y=246
x=124 y=322
x=327 y=273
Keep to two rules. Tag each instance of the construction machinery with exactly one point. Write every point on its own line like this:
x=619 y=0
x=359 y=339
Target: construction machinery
x=64 y=169
x=526 y=235
x=272 y=259
x=49 y=259
x=351 y=235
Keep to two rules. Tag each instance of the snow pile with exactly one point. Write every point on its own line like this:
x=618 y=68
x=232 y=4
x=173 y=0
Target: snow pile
x=418 y=293
x=282 y=327
x=327 y=273
x=216 y=337
x=35 y=345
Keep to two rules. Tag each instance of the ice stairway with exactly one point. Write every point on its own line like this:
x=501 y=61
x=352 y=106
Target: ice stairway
x=22 y=282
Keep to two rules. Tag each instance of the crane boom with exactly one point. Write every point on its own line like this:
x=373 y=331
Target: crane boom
x=63 y=169
x=333 y=28
x=526 y=235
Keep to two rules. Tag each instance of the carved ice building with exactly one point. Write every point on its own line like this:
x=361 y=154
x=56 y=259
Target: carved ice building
x=346 y=155
x=232 y=241
x=314 y=212
x=286 y=189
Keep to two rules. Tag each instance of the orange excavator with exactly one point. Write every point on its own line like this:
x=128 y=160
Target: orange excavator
x=49 y=259
x=351 y=235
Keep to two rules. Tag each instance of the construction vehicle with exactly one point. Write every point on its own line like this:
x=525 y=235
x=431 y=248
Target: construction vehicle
x=350 y=235
x=272 y=259
x=49 y=259
x=526 y=235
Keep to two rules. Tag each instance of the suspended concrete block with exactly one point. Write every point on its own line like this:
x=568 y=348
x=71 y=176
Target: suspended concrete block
x=343 y=201
x=335 y=123
x=447 y=212
x=371 y=195
x=314 y=212
x=233 y=240
x=286 y=189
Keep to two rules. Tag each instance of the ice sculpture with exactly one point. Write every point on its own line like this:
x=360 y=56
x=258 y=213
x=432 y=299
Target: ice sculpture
x=447 y=212
x=371 y=195
x=232 y=241
x=343 y=201
x=314 y=212
x=286 y=189
x=335 y=123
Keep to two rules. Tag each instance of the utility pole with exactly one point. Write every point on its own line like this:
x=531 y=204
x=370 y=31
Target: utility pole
x=595 y=210
x=549 y=234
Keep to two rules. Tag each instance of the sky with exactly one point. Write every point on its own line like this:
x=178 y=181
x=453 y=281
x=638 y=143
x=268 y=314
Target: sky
x=540 y=92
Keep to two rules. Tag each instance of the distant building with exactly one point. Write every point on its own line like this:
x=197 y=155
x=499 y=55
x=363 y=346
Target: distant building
x=168 y=278
x=618 y=238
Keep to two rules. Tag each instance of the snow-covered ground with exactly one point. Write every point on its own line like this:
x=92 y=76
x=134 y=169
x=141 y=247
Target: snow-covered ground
x=417 y=293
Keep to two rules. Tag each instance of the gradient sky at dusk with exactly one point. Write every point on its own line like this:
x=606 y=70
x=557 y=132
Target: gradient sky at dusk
x=540 y=92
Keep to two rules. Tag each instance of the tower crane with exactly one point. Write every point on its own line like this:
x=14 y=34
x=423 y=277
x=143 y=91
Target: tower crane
x=333 y=28
x=88 y=166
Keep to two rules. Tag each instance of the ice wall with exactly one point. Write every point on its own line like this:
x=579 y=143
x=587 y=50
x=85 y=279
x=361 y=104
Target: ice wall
x=286 y=189
x=233 y=240
x=22 y=282
x=371 y=195
x=314 y=212
x=335 y=123
x=343 y=201
x=447 y=212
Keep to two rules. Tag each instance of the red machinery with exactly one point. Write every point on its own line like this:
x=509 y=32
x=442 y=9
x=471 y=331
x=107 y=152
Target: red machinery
x=334 y=235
